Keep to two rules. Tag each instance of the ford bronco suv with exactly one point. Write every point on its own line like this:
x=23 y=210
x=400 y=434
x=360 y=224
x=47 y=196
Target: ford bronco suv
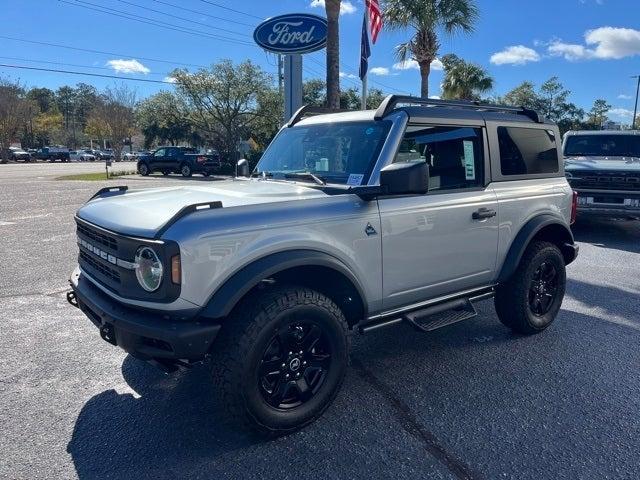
x=351 y=221
x=603 y=167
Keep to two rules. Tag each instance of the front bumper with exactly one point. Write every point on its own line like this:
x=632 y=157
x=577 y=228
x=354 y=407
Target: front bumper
x=608 y=203
x=148 y=335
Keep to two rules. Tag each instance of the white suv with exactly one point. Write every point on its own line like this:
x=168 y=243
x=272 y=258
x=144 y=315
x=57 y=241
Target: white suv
x=350 y=221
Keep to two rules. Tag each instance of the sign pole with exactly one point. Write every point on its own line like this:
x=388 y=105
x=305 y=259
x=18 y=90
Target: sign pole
x=292 y=84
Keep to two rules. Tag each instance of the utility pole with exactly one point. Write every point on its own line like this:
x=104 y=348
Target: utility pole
x=635 y=109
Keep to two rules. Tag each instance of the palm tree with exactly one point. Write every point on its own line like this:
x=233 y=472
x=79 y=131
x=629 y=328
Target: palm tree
x=332 y=7
x=463 y=80
x=427 y=17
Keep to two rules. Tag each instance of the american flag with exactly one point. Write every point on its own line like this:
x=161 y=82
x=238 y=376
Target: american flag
x=375 y=18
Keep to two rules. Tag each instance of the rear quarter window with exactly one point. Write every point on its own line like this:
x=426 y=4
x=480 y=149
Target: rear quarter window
x=527 y=151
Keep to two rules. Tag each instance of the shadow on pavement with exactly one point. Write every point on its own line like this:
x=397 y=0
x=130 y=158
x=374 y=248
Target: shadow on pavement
x=618 y=234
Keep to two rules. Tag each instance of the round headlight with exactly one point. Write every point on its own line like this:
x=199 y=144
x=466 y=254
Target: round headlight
x=148 y=269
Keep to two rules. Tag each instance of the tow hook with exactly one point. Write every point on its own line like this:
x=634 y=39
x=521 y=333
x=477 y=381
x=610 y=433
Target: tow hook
x=71 y=298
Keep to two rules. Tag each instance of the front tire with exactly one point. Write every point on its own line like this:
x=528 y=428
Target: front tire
x=281 y=358
x=529 y=301
x=143 y=169
x=185 y=170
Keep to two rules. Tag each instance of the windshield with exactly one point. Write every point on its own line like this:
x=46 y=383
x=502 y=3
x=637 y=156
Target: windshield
x=342 y=152
x=602 y=146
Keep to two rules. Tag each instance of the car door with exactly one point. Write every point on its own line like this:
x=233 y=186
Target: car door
x=444 y=241
x=158 y=159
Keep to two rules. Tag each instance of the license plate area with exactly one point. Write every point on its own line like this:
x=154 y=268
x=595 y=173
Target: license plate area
x=609 y=200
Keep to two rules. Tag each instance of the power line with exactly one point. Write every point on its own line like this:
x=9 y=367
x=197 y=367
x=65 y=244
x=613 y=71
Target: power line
x=49 y=62
x=231 y=9
x=182 y=18
x=200 y=12
x=153 y=22
x=70 y=72
x=101 y=52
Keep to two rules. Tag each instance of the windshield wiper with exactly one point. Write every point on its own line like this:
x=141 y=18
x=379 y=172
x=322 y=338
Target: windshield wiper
x=306 y=175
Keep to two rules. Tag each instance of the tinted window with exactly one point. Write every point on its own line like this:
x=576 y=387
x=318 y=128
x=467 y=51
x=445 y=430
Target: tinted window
x=602 y=146
x=454 y=154
x=527 y=151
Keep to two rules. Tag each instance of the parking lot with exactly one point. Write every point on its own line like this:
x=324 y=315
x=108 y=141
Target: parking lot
x=469 y=401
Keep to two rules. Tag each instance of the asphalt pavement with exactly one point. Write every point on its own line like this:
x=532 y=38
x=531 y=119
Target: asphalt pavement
x=469 y=401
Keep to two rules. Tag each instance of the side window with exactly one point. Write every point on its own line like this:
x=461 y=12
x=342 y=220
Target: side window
x=455 y=155
x=160 y=153
x=172 y=152
x=526 y=151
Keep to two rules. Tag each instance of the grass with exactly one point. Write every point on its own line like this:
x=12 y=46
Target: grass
x=95 y=177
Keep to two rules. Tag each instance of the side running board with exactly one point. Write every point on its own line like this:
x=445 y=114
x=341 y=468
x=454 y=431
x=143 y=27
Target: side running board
x=435 y=316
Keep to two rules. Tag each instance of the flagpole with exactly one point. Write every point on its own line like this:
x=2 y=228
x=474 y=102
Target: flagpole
x=363 y=104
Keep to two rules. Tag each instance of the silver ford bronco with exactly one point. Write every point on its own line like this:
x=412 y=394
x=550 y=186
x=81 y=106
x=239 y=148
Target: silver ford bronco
x=351 y=221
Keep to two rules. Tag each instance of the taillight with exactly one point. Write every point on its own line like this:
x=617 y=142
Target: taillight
x=574 y=207
x=201 y=159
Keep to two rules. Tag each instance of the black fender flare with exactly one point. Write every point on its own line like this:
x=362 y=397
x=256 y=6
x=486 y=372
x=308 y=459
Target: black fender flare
x=227 y=296
x=528 y=232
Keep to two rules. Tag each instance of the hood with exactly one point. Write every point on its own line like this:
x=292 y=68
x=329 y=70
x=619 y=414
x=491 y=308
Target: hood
x=616 y=164
x=142 y=213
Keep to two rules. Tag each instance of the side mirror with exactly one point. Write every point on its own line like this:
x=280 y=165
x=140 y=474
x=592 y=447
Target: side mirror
x=242 y=168
x=405 y=178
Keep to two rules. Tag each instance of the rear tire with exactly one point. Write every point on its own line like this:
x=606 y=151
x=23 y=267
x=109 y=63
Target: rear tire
x=529 y=301
x=280 y=359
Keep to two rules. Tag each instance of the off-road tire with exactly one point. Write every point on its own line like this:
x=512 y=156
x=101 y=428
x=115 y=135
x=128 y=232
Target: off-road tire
x=512 y=300
x=239 y=350
x=143 y=169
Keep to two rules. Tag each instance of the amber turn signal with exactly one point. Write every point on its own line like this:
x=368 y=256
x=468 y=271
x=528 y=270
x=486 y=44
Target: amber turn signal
x=176 y=271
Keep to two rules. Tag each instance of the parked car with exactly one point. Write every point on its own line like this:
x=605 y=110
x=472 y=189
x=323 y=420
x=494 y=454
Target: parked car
x=129 y=156
x=82 y=156
x=19 y=155
x=604 y=168
x=53 y=154
x=183 y=160
x=334 y=231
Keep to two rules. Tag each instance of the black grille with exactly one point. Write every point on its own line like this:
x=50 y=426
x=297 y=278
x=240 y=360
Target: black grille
x=606 y=180
x=95 y=264
x=98 y=237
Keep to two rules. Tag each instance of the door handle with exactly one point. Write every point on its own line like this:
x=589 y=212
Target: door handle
x=483 y=213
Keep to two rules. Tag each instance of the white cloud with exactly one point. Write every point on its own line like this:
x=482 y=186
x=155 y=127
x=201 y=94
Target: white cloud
x=620 y=113
x=622 y=96
x=380 y=71
x=348 y=75
x=604 y=43
x=413 y=65
x=127 y=66
x=169 y=79
x=515 y=55
x=346 y=6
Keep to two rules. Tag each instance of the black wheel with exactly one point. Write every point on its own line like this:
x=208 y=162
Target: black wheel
x=165 y=172
x=143 y=169
x=280 y=359
x=205 y=174
x=529 y=301
x=185 y=170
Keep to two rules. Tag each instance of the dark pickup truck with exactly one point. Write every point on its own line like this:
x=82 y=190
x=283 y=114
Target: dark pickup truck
x=183 y=160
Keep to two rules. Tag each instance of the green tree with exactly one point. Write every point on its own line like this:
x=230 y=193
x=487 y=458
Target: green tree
x=15 y=111
x=223 y=101
x=598 y=113
x=332 y=8
x=313 y=92
x=524 y=95
x=44 y=98
x=163 y=117
x=464 y=80
x=114 y=113
x=428 y=18
x=47 y=126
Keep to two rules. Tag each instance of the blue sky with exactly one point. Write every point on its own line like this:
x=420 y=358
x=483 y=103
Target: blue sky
x=592 y=45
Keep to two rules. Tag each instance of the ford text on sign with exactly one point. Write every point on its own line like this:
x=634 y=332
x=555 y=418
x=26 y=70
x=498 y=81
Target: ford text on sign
x=292 y=33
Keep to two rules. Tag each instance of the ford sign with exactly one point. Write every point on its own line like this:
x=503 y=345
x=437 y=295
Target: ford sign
x=292 y=33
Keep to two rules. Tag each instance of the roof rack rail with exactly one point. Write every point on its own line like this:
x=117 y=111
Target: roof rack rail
x=391 y=101
x=184 y=211
x=310 y=109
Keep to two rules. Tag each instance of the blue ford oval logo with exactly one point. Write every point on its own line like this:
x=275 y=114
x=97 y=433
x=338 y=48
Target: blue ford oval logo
x=292 y=33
